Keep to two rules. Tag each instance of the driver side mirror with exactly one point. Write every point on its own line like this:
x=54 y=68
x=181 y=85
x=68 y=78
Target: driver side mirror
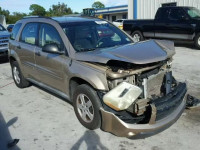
x=51 y=48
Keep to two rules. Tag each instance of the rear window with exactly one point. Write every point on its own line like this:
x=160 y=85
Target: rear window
x=15 y=31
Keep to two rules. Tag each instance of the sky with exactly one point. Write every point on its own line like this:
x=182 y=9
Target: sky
x=75 y=5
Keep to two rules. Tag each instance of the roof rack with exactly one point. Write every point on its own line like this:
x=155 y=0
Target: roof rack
x=26 y=17
x=72 y=15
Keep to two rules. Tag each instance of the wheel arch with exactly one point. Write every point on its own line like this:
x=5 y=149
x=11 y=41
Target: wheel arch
x=136 y=29
x=76 y=81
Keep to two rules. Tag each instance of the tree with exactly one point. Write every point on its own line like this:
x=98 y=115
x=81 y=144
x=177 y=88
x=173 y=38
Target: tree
x=12 y=19
x=4 y=12
x=98 y=4
x=76 y=12
x=37 y=10
x=59 y=10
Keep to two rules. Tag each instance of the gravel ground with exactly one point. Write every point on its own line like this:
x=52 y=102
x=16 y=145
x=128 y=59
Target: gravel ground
x=44 y=122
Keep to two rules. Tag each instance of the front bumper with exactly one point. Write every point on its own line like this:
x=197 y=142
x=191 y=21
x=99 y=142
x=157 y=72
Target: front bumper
x=111 y=123
x=4 y=53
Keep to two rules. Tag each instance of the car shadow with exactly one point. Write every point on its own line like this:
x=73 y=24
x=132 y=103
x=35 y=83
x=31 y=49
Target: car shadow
x=92 y=141
x=51 y=93
x=184 y=44
x=5 y=136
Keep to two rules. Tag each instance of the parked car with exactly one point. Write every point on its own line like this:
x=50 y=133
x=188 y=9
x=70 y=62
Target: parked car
x=124 y=88
x=119 y=23
x=4 y=38
x=10 y=27
x=175 y=23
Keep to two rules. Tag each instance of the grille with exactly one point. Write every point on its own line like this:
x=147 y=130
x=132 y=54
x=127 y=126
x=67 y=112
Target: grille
x=3 y=45
x=2 y=38
x=4 y=41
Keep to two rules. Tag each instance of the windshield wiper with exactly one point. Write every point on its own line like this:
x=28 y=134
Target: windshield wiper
x=86 y=49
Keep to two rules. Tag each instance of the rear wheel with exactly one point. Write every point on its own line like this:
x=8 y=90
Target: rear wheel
x=137 y=36
x=87 y=106
x=18 y=77
x=197 y=41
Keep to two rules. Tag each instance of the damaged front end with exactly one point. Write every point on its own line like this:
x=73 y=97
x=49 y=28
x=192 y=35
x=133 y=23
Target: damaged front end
x=143 y=99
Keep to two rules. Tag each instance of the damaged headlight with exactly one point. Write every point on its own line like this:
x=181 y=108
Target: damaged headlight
x=122 y=96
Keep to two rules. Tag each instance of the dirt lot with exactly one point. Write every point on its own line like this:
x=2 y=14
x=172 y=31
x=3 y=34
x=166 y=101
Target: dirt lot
x=44 y=122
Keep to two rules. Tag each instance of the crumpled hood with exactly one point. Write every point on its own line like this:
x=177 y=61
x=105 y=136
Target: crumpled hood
x=4 y=34
x=140 y=53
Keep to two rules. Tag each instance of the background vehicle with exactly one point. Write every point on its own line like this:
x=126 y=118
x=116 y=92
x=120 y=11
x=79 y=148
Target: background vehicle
x=176 y=23
x=124 y=88
x=119 y=23
x=10 y=27
x=4 y=39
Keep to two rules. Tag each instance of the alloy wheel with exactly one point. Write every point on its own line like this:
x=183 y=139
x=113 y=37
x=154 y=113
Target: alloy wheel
x=85 y=108
x=136 y=37
x=16 y=74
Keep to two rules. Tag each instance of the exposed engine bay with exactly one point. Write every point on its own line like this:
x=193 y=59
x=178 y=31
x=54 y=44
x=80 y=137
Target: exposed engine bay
x=154 y=80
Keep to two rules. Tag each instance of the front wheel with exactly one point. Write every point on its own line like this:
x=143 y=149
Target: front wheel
x=87 y=106
x=137 y=36
x=197 y=41
x=18 y=77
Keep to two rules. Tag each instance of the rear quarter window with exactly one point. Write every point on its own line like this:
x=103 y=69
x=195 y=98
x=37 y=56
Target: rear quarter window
x=15 y=31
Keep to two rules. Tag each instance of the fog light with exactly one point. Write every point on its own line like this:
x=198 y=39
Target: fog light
x=122 y=96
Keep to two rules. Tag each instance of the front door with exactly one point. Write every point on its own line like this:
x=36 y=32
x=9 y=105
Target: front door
x=174 y=25
x=26 y=49
x=50 y=66
x=179 y=25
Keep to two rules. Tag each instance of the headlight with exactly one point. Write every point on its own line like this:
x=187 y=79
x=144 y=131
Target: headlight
x=122 y=96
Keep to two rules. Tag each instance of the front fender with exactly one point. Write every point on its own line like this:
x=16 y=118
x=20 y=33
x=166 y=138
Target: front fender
x=96 y=78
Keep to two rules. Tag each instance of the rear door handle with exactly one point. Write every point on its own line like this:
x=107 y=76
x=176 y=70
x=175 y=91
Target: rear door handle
x=19 y=47
x=37 y=53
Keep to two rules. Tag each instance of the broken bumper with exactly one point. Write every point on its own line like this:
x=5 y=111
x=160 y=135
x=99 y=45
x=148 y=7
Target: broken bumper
x=111 y=123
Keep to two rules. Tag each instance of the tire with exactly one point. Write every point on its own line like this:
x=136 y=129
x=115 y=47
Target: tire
x=137 y=36
x=197 y=41
x=88 y=113
x=18 y=77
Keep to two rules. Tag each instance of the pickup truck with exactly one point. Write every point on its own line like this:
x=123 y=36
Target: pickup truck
x=175 y=23
x=4 y=39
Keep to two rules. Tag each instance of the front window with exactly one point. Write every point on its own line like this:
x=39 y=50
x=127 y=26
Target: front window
x=49 y=35
x=2 y=28
x=193 y=12
x=93 y=35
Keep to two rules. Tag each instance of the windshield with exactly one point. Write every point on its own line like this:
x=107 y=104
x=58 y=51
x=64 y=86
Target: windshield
x=2 y=28
x=193 y=12
x=88 y=36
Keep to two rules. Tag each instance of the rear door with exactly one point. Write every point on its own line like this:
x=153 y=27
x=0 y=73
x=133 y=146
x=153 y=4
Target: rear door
x=26 y=48
x=50 y=67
